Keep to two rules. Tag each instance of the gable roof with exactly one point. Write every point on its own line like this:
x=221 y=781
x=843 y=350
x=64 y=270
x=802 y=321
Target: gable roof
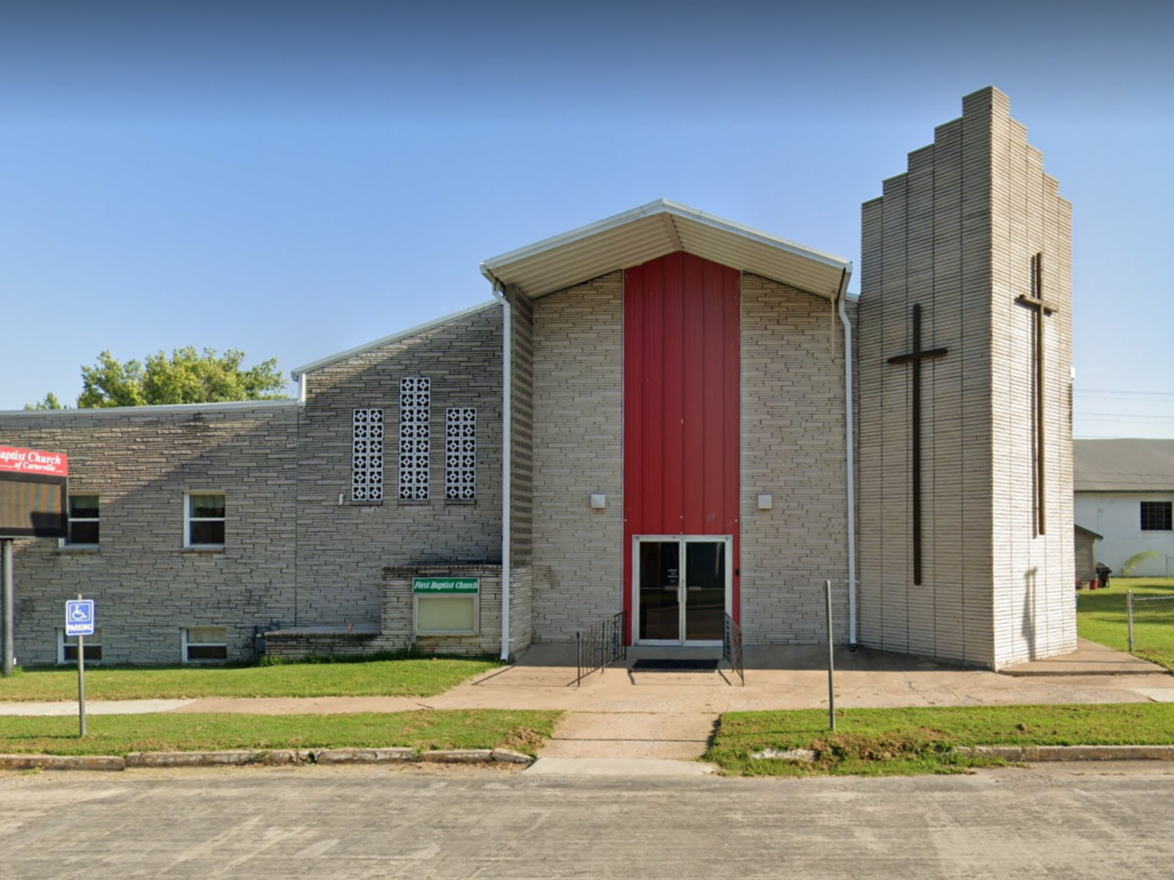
x=655 y=230
x=1123 y=465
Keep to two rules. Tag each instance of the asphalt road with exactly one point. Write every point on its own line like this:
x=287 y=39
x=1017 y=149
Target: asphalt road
x=353 y=822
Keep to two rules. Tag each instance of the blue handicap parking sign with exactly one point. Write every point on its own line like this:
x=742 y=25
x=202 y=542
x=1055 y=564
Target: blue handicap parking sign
x=79 y=617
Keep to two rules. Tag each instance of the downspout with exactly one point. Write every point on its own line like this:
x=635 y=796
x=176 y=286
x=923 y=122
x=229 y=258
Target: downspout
x=841 y=298
x=507 y=327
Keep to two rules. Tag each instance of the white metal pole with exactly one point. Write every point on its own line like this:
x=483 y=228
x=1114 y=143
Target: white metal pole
x=507 y=330
x=850 y=458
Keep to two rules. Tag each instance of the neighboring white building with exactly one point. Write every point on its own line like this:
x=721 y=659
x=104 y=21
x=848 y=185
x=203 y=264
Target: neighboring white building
x=1125 y=492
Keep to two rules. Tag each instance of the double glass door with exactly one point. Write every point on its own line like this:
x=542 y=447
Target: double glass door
x=682 y=589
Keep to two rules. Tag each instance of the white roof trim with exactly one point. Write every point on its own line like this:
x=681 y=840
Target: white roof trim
x=388 y=340
x=512 y=267
x=160 y=409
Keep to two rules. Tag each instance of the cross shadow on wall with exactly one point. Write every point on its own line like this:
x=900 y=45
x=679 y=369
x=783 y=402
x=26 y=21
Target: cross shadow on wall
x=1028 y=629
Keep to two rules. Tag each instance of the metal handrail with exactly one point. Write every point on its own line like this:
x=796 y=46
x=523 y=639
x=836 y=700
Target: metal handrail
x=600 y=644
x=732 y=647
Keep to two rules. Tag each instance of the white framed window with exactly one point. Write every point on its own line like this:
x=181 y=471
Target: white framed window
x=415 y=403
x=83 y=521
x=204 y=644
x=203 y=519
x=460 y=453
x=367 y=455
x=67 y=647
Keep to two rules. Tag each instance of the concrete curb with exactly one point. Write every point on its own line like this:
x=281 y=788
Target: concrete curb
x=61 y=762
x=1040 y=754
x=212 y=759
x=458 y=756
x=364 y=756
x=271 y=757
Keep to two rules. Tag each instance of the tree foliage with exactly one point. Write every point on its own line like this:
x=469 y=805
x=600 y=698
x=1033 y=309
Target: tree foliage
x=50 y=402
x=187 y=375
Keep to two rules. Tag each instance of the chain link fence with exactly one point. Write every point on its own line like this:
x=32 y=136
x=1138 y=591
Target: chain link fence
x=1150 y=615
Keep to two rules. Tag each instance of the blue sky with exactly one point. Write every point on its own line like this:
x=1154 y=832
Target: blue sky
x=296 y=179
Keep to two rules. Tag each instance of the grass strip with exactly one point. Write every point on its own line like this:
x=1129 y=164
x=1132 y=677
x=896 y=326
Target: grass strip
x=424 y=730
x=1103 y=616
x=881 y=742
x=412 y=677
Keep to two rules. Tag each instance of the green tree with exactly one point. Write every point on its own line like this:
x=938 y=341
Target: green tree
x=184 y=376
x=50 y=402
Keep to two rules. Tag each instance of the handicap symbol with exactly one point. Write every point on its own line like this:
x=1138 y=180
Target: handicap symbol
x=79 y=613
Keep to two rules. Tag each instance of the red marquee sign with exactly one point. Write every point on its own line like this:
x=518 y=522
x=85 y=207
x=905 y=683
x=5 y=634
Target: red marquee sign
x=33 y=461
x=33 y=493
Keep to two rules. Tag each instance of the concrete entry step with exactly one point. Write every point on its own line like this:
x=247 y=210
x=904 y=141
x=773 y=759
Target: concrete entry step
x=631 y=735
x=627 y=767
x=1089 y=658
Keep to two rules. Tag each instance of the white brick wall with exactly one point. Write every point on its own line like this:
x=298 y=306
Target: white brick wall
x=955 y=234
x=578 y=450
x=792 y=447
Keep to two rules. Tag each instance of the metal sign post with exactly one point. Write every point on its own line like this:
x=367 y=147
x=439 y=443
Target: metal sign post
x=79 y=621
x=831 y=663
x=1129 y=605
x=6 y=599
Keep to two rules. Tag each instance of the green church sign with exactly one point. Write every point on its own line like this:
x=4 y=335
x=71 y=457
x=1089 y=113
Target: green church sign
x=446 y=586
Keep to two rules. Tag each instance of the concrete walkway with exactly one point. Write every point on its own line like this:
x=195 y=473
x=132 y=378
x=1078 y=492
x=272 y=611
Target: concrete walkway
x=621 y=713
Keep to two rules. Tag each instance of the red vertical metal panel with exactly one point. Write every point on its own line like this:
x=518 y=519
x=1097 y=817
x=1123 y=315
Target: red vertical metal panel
x=712 y=464
x=694 y=415
x=654 y=402
x=682 y=404
x=673 y=449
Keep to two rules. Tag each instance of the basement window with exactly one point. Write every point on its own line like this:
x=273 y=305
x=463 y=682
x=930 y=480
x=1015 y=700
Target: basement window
x=67 y=647
x=205 y=644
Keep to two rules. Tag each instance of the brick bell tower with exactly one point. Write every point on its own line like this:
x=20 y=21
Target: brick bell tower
x=965 y=363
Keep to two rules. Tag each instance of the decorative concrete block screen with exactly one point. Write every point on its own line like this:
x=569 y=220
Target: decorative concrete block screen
x=460 y=453
x=367 y=455
x=415 y=401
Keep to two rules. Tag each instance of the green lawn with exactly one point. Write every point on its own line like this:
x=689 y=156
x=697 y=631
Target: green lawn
x=876 y=742
x=414 y=677
x=1102 y=617
x=424 y=730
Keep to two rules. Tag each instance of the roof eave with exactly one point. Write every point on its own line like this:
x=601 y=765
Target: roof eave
x=511 y=268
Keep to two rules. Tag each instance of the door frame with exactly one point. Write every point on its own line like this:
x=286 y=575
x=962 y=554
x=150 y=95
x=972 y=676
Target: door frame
x=682 y=540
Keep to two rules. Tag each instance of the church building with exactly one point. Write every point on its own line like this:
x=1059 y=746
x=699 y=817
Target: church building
x=663 y=415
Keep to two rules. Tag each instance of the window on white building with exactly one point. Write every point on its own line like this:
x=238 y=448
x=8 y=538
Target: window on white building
x=1156 y=516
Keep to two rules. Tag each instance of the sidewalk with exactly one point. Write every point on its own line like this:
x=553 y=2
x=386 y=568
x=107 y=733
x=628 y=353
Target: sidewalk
x=776 y=678
x=622 y=713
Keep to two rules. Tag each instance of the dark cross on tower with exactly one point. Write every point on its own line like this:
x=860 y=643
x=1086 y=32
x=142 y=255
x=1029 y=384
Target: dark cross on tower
x=915 y=358
x=1040 y=309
